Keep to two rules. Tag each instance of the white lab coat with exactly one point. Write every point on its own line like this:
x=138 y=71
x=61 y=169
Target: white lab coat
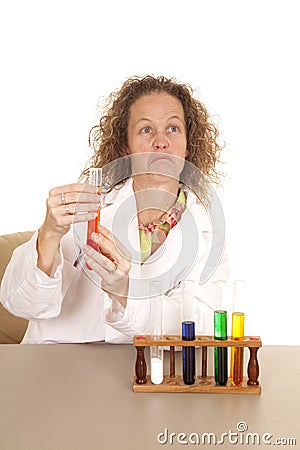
x=70 y=306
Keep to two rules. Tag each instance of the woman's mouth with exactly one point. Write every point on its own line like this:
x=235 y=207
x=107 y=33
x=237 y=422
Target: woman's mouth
x=160 y=157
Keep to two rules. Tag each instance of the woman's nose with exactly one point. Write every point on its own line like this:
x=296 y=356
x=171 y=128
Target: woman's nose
x=160 y=142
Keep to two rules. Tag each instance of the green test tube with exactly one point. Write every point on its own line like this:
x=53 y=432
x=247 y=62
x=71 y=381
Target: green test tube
x=221 y=353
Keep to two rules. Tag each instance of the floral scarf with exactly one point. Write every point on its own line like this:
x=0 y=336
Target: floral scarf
x=154 y=234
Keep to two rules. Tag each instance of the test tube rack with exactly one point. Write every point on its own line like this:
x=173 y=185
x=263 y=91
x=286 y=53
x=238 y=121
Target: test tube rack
x=203 y=383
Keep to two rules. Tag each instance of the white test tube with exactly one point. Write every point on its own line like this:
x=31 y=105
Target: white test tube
x=156 y=352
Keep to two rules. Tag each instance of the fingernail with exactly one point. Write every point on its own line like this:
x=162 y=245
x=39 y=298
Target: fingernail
x=95 y=236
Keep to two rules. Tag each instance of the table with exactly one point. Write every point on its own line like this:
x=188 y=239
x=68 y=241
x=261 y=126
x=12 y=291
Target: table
x=79 y=397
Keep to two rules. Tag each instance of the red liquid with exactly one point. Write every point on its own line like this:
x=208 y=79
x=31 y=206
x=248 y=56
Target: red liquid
x=93 y=227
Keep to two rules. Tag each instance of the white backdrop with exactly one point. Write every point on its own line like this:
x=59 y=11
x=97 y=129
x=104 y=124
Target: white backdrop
x=59 y=57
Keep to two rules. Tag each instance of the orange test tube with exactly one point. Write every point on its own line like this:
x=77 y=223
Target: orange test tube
x=95 y=178
x=237 y=353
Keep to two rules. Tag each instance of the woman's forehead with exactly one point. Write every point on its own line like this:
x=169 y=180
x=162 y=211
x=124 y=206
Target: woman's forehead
x=156 y=102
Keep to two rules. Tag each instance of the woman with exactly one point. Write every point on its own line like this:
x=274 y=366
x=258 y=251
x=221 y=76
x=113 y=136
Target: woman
x=152 y=142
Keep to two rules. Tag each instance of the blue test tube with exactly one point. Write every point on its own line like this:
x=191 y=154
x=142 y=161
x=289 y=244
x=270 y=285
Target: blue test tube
x=188 y=353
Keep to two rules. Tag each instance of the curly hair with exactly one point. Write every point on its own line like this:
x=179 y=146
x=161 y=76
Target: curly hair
x=108 y=139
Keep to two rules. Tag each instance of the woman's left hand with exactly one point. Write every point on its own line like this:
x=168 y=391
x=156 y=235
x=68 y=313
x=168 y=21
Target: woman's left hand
x=112 y=262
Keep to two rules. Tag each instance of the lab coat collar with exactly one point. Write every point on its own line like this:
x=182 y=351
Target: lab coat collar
x=120 y=192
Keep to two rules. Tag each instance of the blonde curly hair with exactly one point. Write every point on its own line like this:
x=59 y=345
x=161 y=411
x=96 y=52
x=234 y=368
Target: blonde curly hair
x=108 y=138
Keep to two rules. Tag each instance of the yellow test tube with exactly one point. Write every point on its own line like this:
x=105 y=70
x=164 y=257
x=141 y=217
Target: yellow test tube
x=237 y=353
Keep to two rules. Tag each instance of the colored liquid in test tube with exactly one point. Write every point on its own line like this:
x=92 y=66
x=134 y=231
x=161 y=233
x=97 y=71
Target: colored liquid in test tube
x=95 y=178
x=156 y=352
x=188 y=353
x=237 y=353
x=220 y=353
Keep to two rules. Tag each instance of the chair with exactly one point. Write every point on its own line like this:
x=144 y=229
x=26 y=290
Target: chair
x=12 y=329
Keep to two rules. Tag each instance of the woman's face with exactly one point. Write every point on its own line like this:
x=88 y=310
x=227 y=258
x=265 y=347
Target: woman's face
x=156 y=127
x=157 y=123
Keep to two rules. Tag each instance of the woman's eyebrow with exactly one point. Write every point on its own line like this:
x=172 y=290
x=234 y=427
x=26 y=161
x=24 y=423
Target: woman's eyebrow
x=175 y=117
x=145 y=119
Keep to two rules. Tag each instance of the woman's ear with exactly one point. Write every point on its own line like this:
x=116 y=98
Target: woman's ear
x=187 y=153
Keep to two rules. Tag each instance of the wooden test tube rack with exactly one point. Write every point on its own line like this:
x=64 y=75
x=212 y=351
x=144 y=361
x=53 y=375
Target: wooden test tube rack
x=203 y=383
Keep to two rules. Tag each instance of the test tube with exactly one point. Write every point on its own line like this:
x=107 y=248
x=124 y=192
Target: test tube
x=188 y=353
x=95 y=178
x=221 y=353
x=239 y=295
x=156 y=352
x=237 y=353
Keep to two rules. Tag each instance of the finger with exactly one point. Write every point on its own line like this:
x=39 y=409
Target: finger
x=62 y=215
x=108 y=249
x=106 y=246
x=101 y=271
x=79 y=218
x=106 y=233
x=77 y=208
x=73 y=197
x=120 y=247
x=98 y=258
x=73 y=187
x=62 y=220
x=82 y=197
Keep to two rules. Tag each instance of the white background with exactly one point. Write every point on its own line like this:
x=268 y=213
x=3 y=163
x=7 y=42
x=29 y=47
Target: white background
x=58 y=58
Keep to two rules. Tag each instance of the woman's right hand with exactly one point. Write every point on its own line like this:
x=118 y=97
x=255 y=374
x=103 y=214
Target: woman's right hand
x=71 y=203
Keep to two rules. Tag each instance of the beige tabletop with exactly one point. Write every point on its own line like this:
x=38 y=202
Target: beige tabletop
x=79 y=397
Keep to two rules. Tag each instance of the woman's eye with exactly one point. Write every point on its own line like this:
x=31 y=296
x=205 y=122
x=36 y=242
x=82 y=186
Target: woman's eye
x=173 y=128
x=146 y=130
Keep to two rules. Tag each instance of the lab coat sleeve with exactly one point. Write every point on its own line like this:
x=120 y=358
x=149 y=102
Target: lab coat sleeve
x=130 y=321
x=26 y=291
